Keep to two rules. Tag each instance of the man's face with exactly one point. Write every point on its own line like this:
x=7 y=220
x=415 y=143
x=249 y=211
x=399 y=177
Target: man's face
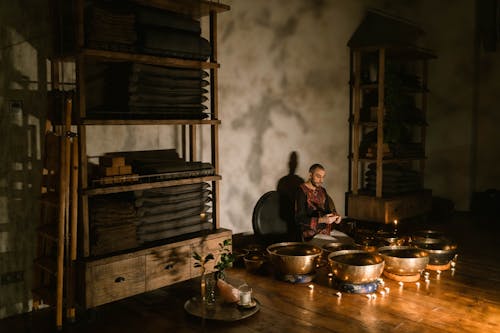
x=317 y=177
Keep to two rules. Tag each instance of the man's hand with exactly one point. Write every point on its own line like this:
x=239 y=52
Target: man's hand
x=332 y=218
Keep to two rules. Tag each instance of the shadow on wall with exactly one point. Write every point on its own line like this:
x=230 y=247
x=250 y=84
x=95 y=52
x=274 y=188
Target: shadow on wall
x=273 y=215
x=287 y=188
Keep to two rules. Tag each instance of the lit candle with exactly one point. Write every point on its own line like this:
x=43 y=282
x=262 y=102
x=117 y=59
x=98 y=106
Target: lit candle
x=338 y=294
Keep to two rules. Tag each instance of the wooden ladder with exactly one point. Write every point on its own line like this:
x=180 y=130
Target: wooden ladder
x=54 y=278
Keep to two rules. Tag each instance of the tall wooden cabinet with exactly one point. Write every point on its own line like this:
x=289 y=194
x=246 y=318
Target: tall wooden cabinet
x=108 y=277
x=387 y=127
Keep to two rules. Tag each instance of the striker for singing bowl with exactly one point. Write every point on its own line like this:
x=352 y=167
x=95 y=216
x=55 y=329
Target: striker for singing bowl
x=294 y=258
x=356 y=266
x=404 y=260
x=441 y=251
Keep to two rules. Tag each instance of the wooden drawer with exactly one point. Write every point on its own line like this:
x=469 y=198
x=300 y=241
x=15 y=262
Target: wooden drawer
x=113 y=281
x=165 y=267
x=203 y=247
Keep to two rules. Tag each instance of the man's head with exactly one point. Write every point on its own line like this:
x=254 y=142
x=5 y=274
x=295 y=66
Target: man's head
x=316 y=174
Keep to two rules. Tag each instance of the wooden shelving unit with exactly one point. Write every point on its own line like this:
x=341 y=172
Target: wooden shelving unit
x=104 y=278
x=370 y=59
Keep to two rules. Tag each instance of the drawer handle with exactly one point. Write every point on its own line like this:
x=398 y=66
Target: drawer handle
x=119 y=279
x=169 y=266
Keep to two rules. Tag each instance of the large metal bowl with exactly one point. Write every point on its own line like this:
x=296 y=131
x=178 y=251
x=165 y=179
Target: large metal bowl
x=294 y=257
x=356 y=266
x=404 y=260
x=338 y=246
x=441 y=251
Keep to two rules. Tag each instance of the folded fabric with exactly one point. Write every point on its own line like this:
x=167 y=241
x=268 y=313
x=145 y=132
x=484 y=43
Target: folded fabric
x=152 y=17
x=172 y=199
x=174 y=43
x=174 y=232
x=134 y=88
x=179 y=73
x=173 y=224
x=158 y=100
x=172 y=190
x=147 y=210
x=164 y=81
x=148 y=219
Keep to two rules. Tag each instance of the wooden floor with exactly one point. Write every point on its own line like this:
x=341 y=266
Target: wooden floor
x=467 y=300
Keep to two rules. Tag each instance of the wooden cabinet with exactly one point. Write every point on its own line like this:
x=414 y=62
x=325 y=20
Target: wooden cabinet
x=387 y=123
x=165 y=267
x=129 y=270
x=116 y=277
x=107 y=282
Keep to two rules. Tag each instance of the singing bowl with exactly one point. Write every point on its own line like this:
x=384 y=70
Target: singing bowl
x=422 y=235
x=356 y=266
x=337 y=246
x=253 y=261
x=370 y=244
x=441 y=251
x=389 y=237
x=404 y=260
x=294 y=257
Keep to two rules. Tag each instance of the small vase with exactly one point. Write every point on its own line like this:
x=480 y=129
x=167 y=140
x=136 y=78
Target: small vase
x=210 y=284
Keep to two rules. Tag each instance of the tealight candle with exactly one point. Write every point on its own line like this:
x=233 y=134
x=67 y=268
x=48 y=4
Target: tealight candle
x=338 y=294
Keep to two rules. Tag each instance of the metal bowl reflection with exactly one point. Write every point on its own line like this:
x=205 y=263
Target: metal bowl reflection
x=294 y=257
x=404 y=260
x=356 y=266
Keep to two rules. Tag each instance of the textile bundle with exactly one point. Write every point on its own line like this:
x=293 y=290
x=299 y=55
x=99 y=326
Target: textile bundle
x=396 y=179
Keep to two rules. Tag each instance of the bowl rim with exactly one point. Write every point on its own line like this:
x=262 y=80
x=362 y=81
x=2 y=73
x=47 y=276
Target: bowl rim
x=270 y=248
x=334 y=254
x=380 y=250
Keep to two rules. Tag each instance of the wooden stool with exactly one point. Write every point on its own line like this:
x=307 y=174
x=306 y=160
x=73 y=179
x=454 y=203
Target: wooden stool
x=402 y=278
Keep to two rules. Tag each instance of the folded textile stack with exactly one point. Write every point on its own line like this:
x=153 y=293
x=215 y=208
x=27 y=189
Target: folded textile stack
x=164 y=164
x=397 y=179
x=170 y=34
x=172 y=211
x=113 y=225
x=111 y=28
x=171 y=93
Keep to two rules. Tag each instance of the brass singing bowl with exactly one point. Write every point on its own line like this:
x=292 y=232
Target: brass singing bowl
x=294 y=257
x=404 y=260
x=337 y=246
x=356 y=266
x=441 y=251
